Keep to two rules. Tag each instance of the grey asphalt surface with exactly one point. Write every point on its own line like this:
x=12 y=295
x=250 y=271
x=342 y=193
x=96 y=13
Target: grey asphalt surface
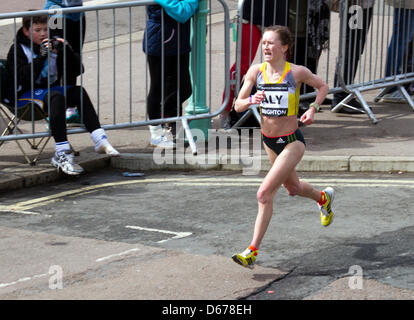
x=213 y=214
x=89 y=230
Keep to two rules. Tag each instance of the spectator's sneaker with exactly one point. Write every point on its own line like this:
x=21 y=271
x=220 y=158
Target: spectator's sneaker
x=164 y=141
x=73 y=117
x=246 y=258
x=326 y=210
x=63 y=161
x=108 y=149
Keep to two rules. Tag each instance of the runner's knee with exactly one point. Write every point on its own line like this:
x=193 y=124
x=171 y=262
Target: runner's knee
x=264 y=196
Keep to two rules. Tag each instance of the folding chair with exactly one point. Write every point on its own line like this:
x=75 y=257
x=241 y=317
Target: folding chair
x=27 y=112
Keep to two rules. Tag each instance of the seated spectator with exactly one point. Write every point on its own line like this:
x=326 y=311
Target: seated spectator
x=46 y=60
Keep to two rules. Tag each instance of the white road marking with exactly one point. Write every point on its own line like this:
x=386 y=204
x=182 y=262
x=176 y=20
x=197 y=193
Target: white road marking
x=241 y=182
x=224 y=184
x=319 y=183
x=117 y=254
x=25 y=279
x=177 y=235
x=322 y=180
x=7 y=209
x=3 y=285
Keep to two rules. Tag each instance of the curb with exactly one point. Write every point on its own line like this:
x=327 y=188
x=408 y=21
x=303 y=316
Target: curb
x=308 y=164
x=381 y=164
x=25 y=176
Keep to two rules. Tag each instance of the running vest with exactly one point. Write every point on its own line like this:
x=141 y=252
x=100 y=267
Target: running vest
x=282 y=97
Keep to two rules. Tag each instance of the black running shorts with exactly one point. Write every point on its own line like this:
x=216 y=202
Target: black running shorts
x=277 y=144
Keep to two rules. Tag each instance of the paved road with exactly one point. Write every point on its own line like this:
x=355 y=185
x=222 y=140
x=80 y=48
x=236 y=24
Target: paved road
x=177 y=232
x=212 y=215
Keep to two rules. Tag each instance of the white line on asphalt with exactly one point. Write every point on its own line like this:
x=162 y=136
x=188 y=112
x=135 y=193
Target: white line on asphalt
x=224 y=184
x=348 y=180
x=368 y=185
x=351 y=180
x=10 y=209
x=3 y=285
x=319 y=183
x=117 y=254
x=178 y=235
x=337 y=183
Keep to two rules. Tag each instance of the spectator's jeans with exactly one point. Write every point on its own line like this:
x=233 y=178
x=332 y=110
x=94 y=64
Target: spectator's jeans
x=402 y=34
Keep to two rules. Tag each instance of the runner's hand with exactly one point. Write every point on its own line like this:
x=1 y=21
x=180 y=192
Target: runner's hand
x=258 y=97
x=308 y=117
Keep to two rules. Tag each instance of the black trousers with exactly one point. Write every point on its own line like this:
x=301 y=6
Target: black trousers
x=171 y=107
x=57 y=111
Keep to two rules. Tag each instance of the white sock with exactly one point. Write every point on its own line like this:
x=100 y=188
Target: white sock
x=156 y=131
x=102 y=144
x=62 y=147
x=99 y=138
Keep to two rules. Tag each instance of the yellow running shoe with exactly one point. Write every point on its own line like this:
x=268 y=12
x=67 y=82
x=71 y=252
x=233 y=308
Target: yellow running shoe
x=246 y=258
x=326 y=210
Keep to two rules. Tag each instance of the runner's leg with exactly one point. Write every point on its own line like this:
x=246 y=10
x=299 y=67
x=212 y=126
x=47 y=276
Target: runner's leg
x=282 y=168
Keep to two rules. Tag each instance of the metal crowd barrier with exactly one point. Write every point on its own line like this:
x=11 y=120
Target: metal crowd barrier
x=116 y=73
x=381 y=26
x=369 y=21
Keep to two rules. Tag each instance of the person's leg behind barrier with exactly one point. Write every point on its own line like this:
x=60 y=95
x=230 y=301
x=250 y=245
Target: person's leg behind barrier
x=78 y=96
x=63 y=158
x=398 y=49
x=355 y=39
